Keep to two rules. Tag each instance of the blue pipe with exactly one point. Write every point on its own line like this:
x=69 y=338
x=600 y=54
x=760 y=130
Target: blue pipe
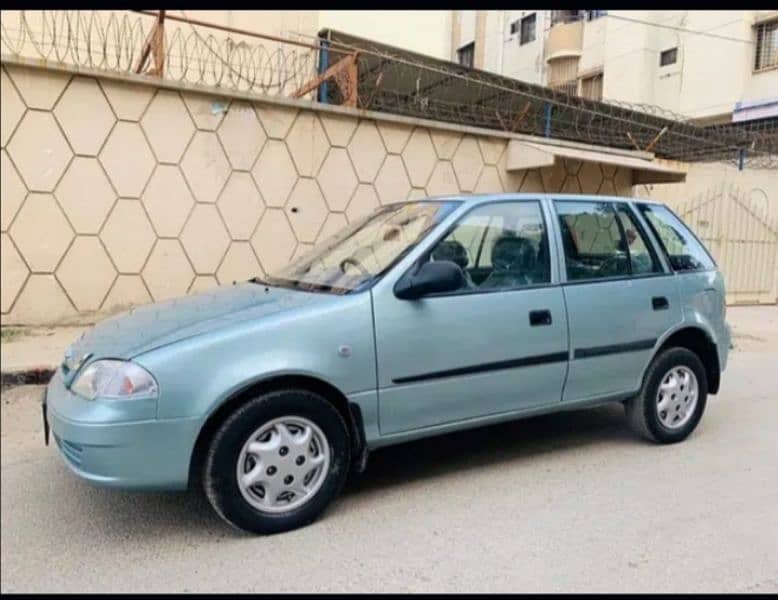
x=324 y=59
x=548 y=119
x=741 y=159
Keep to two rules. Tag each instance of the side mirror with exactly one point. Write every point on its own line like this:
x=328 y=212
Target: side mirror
x=431 y=278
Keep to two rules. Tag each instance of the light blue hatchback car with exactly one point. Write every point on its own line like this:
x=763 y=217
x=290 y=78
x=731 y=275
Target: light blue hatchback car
x=422 y=318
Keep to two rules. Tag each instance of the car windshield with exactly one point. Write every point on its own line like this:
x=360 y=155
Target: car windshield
x=362 y=252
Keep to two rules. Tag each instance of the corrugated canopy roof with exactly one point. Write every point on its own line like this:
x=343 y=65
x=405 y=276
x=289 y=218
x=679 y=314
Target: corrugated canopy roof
x=407 y=83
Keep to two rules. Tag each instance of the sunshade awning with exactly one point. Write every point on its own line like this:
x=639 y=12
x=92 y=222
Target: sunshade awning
x=532 y=155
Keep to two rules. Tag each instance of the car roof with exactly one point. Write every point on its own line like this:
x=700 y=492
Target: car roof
x=482 y=198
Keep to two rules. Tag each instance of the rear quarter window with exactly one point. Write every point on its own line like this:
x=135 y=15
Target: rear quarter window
x=684 y=251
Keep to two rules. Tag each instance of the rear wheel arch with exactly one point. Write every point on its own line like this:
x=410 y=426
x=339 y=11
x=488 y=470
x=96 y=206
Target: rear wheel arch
x=349 y=411
x=699 y=341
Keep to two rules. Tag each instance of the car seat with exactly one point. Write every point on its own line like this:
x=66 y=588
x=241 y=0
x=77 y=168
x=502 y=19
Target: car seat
x=513 y=259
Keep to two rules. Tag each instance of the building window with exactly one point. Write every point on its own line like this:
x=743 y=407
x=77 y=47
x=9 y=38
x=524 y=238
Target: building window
x=766 y=46
x=668 y=57
x=466 y=55
x=515 y=27
x=527 y=29
x=591 y=87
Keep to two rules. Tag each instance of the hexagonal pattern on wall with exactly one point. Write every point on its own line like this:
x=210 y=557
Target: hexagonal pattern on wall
x=339 y=128
x=205 y=166
x=86 y=287
x=240 y=205
x=273 y=241
x=13 y=108
x=127 y=291
x=207 y=111
x=127 y=159
x=167 y=126
x=205 y=238
x=167 y=200
x=276 y=120
x=274 y=173
x=239 y=264
x=85 y=195
x=394 y=135
x=128 y=100
x=443 y=180
x=128 y=235
x=40 y=88
x=14 y=272
x=41 y=213
x=367 y=151
x=39 y=151
x=12 y=191
x=189 y=190
x=392 y=182
x=167 y=272
x=419 y=157
x=306 y=209
x=86 y=130
x=337 y=179
x=307 y=143
x=241 y=135
x=467 y=163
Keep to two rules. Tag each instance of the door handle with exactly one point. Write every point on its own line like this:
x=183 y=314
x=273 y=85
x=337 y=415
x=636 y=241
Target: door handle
x=539 y=317
x=660 y=303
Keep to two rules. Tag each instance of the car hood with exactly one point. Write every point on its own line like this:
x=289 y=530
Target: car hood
x=153 y=325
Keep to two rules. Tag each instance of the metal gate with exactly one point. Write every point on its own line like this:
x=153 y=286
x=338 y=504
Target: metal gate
x=742 y=235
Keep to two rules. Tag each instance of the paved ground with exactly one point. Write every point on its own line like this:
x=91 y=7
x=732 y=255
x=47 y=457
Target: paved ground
x=569 y=502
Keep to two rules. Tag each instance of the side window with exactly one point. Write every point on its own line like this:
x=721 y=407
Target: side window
x=592 y=239
x=642 y=258
x=500 y=245
x=685 y=252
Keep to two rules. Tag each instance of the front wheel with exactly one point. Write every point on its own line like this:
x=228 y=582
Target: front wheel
x=671 y=402
x=277 y=462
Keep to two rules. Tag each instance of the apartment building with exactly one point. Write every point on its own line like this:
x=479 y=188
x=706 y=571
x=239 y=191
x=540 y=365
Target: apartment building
x=714 y=66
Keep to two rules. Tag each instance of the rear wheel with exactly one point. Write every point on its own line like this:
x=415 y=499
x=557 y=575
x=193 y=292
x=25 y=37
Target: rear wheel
x=277 y=462
x=672 y=399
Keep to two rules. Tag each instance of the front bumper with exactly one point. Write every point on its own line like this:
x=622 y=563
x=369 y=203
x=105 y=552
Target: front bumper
x=138 y=454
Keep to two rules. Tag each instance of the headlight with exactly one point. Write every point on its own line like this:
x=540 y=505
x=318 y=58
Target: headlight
x=115 y=379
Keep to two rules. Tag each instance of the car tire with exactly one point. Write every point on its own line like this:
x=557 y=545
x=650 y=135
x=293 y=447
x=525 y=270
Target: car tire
x=280 y=413
x=663 y=382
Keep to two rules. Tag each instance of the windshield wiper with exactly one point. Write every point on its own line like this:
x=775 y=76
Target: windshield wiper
x=259 y=281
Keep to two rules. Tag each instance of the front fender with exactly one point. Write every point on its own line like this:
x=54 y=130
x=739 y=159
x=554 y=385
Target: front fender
x=197 y=375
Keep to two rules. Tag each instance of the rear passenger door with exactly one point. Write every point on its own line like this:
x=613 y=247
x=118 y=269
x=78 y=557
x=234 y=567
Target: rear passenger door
x=620 y=297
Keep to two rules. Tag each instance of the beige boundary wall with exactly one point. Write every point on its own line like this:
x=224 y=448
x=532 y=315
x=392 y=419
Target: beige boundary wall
x=118 y=190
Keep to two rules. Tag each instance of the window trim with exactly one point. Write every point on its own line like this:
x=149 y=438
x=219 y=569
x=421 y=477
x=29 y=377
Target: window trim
x=534 y=18
x=757 y=27
x=640 y=207
x=667 y=52
x=424 y=257
x=649 y=242
x=612 y=203
x=470 y=47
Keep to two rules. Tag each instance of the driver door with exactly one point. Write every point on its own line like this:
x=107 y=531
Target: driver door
x=497 y=345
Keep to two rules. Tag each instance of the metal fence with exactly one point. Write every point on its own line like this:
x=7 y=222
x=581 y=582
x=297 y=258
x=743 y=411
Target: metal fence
x=343 y=69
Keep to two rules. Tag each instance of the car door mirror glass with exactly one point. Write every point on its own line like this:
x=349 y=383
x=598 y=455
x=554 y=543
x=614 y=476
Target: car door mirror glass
x=431 y=278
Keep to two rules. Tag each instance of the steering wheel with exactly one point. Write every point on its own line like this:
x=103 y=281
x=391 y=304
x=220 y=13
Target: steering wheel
x=350 y=260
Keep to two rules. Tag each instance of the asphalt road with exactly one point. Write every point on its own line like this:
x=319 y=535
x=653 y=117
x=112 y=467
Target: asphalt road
x=569 y=502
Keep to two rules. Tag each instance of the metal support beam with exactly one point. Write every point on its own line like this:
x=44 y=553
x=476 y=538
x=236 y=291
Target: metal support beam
x=154 y=47
x=548 y=109
x=343 y=73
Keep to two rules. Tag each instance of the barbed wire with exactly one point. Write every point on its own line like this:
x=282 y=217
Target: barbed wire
x=115 y=42
x=389 y=80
